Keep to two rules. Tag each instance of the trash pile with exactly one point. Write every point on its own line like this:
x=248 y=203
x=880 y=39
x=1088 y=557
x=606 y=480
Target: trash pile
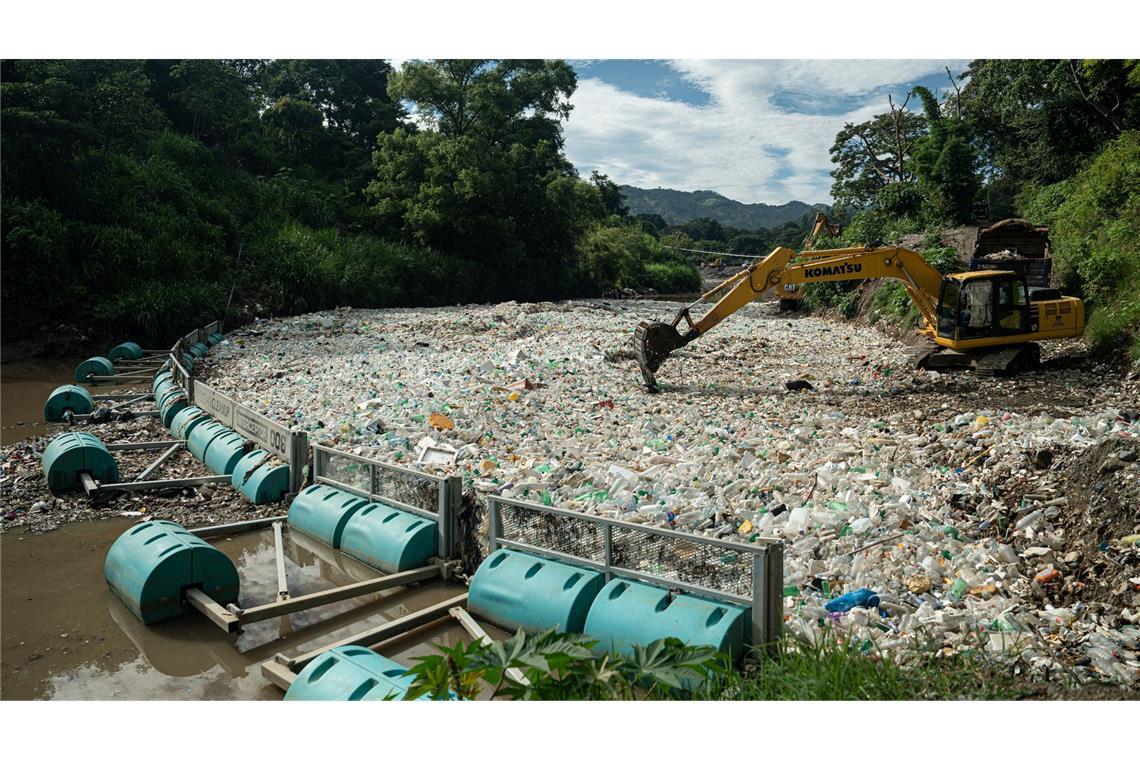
x=26 y=502
x=917 y=508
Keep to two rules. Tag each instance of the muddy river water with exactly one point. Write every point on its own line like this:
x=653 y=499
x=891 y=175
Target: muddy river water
x=66 y=636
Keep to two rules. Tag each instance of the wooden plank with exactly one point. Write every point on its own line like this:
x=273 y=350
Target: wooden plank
x=226 y=529
x=278 y=674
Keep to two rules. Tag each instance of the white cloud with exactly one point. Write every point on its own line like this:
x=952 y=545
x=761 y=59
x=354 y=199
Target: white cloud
x=740 y=143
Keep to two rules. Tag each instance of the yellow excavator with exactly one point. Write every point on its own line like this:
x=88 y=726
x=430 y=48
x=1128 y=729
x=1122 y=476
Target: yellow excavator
x=986 y=320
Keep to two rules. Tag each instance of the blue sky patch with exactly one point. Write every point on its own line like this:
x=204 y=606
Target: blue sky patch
x=648 y=79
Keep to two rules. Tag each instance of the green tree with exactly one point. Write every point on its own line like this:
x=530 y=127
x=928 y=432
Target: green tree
x=1038 y=121
x=944 y=159
x=488 y=181
x=873 y=154
x=218 y=100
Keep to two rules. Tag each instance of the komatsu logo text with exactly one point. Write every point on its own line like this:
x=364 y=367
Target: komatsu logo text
x=837 y=269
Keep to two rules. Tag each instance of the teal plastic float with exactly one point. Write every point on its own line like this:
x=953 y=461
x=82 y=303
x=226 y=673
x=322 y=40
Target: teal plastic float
x=350 y=673
x=171 y=403
x=70 y=454
x=152 y=564
x=627 y=612
x=200 y=437
x=198 y=350
x=323 y=513
x=161 y=377
x=257 y=479
x=223 y=453
x=214 y=339
x=128 y=350
x=67 y=398
x=186 y=420
x=96 y=365
x=389 y=539
x=517 y=590
x=162 y=387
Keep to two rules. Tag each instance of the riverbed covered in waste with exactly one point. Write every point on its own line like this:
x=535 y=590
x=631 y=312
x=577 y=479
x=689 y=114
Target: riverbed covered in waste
x=997 y=515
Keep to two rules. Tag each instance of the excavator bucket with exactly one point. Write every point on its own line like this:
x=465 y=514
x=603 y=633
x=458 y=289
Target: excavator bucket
x=653 y=342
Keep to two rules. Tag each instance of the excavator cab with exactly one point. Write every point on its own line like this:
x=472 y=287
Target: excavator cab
x=985 y=304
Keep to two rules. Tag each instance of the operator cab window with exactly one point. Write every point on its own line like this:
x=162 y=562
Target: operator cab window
x=948 y=308
x=975 y=309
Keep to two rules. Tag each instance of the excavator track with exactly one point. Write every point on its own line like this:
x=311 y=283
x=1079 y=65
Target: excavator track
x=916 y=356
x=1008 y=361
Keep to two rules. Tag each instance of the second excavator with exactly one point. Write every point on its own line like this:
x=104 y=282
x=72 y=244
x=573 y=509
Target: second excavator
x=986 y=320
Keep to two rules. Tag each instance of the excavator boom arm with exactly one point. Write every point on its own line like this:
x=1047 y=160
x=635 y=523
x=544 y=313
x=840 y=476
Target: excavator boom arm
x=654 y=341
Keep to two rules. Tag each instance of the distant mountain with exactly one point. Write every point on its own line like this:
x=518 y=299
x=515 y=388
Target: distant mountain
x=679 y=206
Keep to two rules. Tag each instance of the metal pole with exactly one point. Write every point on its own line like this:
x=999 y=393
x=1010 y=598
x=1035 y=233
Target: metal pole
x=279 y=549
x=493 y=524
x=159 y=462
x=226 y=529
x=385 y=631
x=768 y=598
x=340 y=593
x=476 y=631
x=136 y=445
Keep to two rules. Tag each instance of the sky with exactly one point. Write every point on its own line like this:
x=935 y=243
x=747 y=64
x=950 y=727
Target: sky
x=751 y=130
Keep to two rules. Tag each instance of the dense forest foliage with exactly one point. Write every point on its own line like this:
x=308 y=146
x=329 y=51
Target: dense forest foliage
x=1054 y=141
x=140 y=197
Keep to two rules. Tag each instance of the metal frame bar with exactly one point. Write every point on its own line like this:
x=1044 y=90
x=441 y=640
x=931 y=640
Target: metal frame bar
x=139 y=445
x=153 y=466
x=328 y=596
x=476 y=632
x=382 y=632
x=766 y=599
x=147 y=485
x=279 y=552
x=228 y=529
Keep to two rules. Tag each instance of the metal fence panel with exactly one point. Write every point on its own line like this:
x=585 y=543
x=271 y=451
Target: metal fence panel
x=430 y=496
x=748 y=573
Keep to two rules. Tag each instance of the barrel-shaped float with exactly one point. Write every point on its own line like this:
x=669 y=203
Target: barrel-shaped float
x=517 y=590
x=171 y=403
x=67 y=398
x=188 y=360
x=152 y=564
x=256 y=478
x=214 y=339
x=627 y=612
x=96 y=365
x=161 y=387
x=161 y=377
x=350 y=673
x=198 y=350
x=223 y=453
x=186 y=420
x=70 y=454
x=128 y=350
x=200 y=437
x=323 y=513
x=389 y=539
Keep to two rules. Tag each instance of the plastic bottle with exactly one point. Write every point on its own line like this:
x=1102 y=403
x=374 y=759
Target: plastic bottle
x=864 y=597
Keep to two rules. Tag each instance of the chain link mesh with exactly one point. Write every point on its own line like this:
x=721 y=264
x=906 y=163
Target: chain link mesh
x=420 y=491
x=672 y=558
x=678 y=558
x=578 y=538
x=397 y=485
x=344 y=470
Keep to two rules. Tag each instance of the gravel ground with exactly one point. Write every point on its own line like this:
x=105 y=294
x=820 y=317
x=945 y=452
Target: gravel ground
x=998 y=515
